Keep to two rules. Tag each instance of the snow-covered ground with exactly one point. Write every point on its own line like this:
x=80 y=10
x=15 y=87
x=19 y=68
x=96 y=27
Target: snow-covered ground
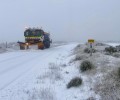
x=113 y=44
x=24 y=73
x=44 y=74
x=104 y=78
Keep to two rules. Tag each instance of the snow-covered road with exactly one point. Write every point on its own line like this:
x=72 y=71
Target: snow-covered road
x=15 y=66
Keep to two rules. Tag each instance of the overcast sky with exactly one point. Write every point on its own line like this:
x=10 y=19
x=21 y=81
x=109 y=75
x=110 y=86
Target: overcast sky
x=66 y=20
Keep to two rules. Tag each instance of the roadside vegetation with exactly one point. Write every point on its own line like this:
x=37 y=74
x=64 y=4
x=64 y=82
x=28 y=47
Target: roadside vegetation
x=98 y=75
x=88 y=50
x=86 y=65
x=106 y=79
x=108 y=87
x=75 y=82
x=113 y=51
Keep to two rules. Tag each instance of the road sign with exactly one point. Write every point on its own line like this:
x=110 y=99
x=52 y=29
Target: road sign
x=91 y=41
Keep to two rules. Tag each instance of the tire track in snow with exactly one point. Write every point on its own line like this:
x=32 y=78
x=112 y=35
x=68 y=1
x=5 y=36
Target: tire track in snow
x=4 y=67
x=7 y=59
x=12 y=58
x=20 y=63
x=25 y=72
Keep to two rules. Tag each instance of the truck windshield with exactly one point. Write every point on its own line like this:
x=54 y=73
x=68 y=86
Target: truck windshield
x=29 y=33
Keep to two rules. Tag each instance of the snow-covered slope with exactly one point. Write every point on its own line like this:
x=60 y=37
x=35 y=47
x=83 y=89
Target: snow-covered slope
x=113 y=44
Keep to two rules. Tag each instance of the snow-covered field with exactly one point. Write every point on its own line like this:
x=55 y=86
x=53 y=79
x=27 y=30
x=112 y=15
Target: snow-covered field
x=44 y=74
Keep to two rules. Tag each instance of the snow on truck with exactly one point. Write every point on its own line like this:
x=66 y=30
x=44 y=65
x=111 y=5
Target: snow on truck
x=35 y=36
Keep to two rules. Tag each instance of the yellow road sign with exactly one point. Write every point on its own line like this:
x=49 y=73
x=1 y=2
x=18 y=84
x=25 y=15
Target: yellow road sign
x=91 y=41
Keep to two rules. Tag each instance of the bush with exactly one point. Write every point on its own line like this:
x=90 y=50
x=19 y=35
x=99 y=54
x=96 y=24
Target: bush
x=94 y=50
x=78 y=46
x=100 y=44
x=119 y=72
x=75 y=82
x=40 y=94
x=110 y=49
x=107 y=53
x=117 y=55
x=79 y=57
x=91 y=98
x=87 y=50
x=86 y=65
x=118 y=48
x=108 y=87
x=55 y=73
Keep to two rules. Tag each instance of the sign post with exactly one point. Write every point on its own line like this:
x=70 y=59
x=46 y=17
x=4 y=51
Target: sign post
x=91 y=41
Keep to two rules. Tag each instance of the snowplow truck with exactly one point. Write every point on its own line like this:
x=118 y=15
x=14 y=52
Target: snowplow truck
x=35 y=36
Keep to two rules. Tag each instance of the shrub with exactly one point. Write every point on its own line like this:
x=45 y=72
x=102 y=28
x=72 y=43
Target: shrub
x=86 y=65
x=100 y=44
x=55 y=72
x=87 y=50
x=119 y=72
x=107 y=53
x=94 y=50
x=91 y=98
x=118 y=48
x=117 y=55
x=110 y=49
x=78 y=46
x=75 y=82
x=79 y=57
x=40 y=94
x=109 y=85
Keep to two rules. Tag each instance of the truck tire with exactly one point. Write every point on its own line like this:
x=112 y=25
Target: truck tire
x=47 y=44
x=22 y=47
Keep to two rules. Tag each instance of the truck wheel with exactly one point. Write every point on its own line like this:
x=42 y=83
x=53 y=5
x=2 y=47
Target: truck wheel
x=22 y=47
x=47 y=44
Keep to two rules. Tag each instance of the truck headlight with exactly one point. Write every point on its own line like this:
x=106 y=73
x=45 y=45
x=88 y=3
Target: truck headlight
x=27 y=44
